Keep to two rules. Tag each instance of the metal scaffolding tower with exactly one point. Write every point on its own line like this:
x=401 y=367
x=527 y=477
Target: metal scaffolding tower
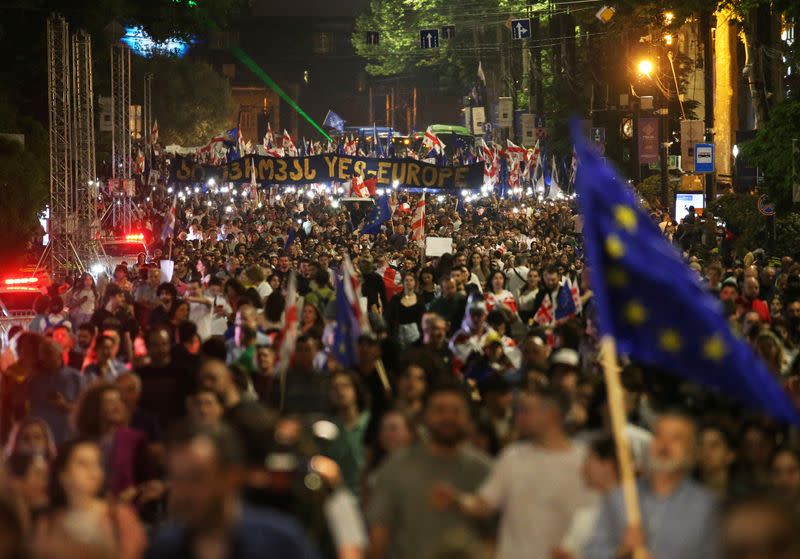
x=62 y=223
x=86 y=188
x=121 y=111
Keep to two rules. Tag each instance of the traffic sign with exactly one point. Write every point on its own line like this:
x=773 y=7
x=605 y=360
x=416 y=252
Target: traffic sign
x=766 y=207
x=520 y=28
x=373 y=38
x=704 y=158
x=448 y=32
x=598 y=136
x=429 y=39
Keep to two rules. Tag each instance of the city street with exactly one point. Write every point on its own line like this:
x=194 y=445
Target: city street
x=400 y=279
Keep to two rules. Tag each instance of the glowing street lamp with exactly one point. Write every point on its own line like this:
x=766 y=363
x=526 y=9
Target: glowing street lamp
x=646 y=67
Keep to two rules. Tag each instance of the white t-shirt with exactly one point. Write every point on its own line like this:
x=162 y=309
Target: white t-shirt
x=200 y=314
x=517 y=278
x=264 y=290
x=537 y=492
x=219 y=324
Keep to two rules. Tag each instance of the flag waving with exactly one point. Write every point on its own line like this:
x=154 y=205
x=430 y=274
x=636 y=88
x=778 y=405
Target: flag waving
x=334 y=121
x=432 y=141
x=348 y=320
x=418 y=222
x=289 y=333
x=288 y=145
x=381 y=213
x=169 y=222
x=652 y=304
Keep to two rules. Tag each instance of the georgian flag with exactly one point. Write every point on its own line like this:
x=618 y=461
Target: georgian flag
x=351 y=146
x=269 y=138
x=545 y=316
x=359 y=187
x=532 y=166
x=288 y=145
x=289 y=333
x=491 y=164
x=418 y=222
x=516 y=155
x=392 y=281
x=432 y=141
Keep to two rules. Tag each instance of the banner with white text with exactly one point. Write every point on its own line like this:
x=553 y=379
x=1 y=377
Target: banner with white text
x=406 y=172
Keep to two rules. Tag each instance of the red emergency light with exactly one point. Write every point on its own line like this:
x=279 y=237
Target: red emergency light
x=20 y=281
x=133 y=237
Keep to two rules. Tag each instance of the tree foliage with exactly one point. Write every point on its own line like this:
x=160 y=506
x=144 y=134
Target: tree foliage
x=771 y=151
x=23 y=178
x=740 y=213
x=191 y=101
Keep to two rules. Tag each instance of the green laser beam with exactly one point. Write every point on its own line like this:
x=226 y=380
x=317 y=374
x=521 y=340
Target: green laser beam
x=245 y=59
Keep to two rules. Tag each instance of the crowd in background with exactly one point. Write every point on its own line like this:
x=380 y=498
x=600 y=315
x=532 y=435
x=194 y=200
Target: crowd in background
x=143 y=417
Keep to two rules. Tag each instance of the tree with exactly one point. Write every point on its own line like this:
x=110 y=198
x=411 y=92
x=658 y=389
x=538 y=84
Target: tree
x=740 y=214
x=23 y=179
x=191 y=101
x=771 y=152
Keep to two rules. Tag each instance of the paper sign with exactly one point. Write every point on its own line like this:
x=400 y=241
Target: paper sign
x=167 y=267
x=437 y=246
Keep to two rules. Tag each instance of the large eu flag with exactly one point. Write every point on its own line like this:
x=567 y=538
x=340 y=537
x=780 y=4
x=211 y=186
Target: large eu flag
x=381 y=213
x=334 y=121
x=347 y=330
x=652 y=304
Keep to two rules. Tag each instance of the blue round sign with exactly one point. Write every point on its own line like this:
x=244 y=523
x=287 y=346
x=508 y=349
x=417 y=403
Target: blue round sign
x=766 y=207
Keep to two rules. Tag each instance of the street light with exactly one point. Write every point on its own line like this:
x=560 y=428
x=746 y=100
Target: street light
x=646 y=67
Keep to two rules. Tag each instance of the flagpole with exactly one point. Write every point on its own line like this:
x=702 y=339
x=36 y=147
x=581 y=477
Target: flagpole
x=611 y=370
x=381 y=370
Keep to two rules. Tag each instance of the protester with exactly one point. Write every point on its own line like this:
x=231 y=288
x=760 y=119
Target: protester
x=77 y=513
x=53 y=390
x=204 y=476
x=525 y=479
x=509 y=316
x=679 y=518
x=402 y=522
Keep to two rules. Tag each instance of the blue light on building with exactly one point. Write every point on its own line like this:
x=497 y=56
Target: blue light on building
x=141 y=43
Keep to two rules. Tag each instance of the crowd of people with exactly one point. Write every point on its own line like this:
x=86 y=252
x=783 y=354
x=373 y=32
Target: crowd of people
x=146 y=416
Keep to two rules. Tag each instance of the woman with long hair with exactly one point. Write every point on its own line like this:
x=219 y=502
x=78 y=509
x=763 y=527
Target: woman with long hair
x=82 y=299
x=312 y=323
x=78 y=512
x=496 y=293
x=31 y=436
x=479 y=267
x=101 y=416
x=404 y=313
x=427 y=286
x=527 y=295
